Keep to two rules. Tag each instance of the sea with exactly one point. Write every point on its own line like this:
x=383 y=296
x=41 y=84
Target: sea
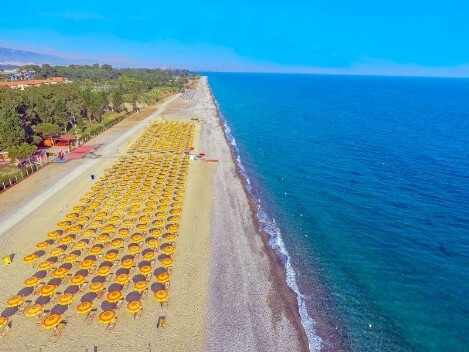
x=362 y=187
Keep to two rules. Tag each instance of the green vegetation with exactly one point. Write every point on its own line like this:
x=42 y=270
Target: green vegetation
x=81 y=107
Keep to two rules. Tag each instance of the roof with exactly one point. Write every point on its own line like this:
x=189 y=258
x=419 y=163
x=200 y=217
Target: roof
x=33 y=82
x=66 y=137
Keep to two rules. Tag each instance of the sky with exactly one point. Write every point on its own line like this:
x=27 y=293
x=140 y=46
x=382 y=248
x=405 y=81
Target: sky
x=397 y=37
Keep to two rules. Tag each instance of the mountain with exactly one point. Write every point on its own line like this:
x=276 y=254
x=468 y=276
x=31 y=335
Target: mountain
x=14 y=57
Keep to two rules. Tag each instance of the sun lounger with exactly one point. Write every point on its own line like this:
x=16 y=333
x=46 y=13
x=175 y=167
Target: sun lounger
x=100 y=294
x=119 y=304
x=139 y=314
x=90 y=316
x=111 y=326
x=161 y=322
x=83 y=287
x=23 y=307
x=5 y=331
x=58 y=330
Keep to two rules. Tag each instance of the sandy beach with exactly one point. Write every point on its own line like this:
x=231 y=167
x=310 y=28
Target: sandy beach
x=227 y=292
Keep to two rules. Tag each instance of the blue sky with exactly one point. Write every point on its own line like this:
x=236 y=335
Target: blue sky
x=418 y=37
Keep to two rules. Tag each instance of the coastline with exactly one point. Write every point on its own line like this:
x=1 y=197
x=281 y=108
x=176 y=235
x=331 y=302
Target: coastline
x=282 y=300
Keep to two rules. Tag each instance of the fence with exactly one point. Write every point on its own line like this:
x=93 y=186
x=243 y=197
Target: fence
x=11 y=180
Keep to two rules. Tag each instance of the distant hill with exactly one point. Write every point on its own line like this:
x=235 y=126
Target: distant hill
x=15 y=58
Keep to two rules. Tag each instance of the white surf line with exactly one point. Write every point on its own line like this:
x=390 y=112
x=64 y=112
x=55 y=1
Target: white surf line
x=34 y=203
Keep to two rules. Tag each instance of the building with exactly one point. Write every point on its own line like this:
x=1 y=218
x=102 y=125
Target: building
x=32 y=83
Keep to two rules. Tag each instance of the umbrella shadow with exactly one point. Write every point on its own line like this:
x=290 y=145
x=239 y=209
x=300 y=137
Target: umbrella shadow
x=72 y=289
x=157 y=287
x=91 y=257
x=8 y=312
x=143 y=263
x=138 y=278
x=83 y=272
x=59 y=309
x=40 y=253
x=89 y=297
x=122 y=271
x=159 y=271
x=127 y=256
x=105 y=263
x=55 y=282
x=76 y=252
x=148 y=250
x=133 y=296
x=163 y=256
x=115 y=287
x=26 y=291
x=108 y=305
x=43 y=300
x=98 y=279
x=53 y=259
x=41 y=274
x=67 y=266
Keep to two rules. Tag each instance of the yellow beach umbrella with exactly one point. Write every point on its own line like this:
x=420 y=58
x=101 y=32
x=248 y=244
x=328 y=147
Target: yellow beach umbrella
x=167 y=262
x=66 y=299
x=140 y=286
x=114 y=296
x=124 y=232
x=80 y=244
x=156 y=232
x=173 y=227
x=70 y=258
x=103 y=238
x=30 y=258
x=146 y=269
x=57 y=251
x=60 y=273
x=168 y=250
x=134 y=306
x=84 y=307
x=87 y=264
x=78 y=208
x=71 y=216
x=150 y=255
x=161 y=296
x=96 y=249
x=107 y=316
x=128 y=263
x=162 y=278
x=96 y=286
x=47 y=290
x=152 y=242
x=31 y=281
x=111 y=256
x=116 y=243
x=104 y=270
x=75 y=228
x=63 y=224
x=89 y=232
x=66 y=239
x=137 y=237
x=122 y=279
x=34 y=310
x=53 y=234
x=45 y=265
x=51 y=321
x=134 y=248
x=78 y=279
x=15 y=301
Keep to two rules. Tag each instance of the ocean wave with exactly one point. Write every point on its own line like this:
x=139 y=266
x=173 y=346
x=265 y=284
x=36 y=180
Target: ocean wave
x=269 y=227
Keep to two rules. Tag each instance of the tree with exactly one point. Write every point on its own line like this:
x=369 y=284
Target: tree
x=117 y=100
x=11 y=132
x=21 y=151
x=96 y=105
x=61 y=114
x=46 y=129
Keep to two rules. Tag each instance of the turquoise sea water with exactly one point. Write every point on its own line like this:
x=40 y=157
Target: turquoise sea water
x=366 y=179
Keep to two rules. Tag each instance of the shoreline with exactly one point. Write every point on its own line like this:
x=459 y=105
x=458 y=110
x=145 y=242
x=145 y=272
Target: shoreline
x=282 y=301
x=277 y=267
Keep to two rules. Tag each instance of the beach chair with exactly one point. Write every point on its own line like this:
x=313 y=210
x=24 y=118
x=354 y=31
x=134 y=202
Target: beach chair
x=108 y=278
x=144 y=294
x=161 y=322
x=90 y=316
x=23 y=307
x=66 y=279
x=38 y=287
x=40 y=319
x=5 y=330
x=138 y=315
x=100 y=294
x=111 y=326
x=148 y=278
x=119 y=304
x=83 y=287
x=58 y=330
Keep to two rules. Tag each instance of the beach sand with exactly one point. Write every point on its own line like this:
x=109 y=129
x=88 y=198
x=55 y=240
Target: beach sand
x=227 y=291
